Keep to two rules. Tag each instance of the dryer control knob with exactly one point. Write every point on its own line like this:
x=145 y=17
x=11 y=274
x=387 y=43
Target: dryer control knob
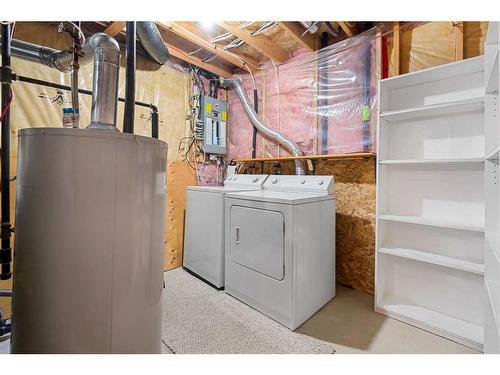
x=255 y=179
x=303 y=182
x=274 y=181
x=320 y=183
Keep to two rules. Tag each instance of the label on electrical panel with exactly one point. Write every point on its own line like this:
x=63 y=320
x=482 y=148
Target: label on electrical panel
x=208 y=107
x=208 y=131
x=223 y=116
x=222 y=133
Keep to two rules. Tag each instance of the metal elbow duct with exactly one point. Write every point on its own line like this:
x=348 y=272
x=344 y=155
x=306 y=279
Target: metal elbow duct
x=106 y=53
x=262 y=127
x=151 y=40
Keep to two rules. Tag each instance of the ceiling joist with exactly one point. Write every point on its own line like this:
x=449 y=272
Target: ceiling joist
x=308 y=41
x=183 y=31
x=115 y=28
x=349 y=30
x=261 y=43
x=183 y=55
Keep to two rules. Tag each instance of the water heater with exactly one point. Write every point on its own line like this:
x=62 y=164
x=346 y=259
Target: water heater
x=89 y=237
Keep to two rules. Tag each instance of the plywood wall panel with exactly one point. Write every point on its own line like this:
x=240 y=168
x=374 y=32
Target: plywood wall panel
x=180 y=175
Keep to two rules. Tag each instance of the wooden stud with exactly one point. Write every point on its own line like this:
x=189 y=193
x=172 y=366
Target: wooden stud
x=350 y=31
x=261 y=43
x=308 y=41
x=358 y=155
x=184 y=32
x=458 y=33
x=114 y=28
x=396 y=47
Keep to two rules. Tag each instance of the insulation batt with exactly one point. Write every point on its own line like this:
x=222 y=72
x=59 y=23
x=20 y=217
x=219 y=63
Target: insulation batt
x=289 y=95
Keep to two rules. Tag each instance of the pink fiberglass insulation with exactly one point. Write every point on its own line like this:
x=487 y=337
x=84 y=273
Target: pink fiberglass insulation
x=320 y=100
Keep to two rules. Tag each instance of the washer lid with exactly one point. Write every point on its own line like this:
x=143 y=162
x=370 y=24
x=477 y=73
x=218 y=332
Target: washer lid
x=235 y=182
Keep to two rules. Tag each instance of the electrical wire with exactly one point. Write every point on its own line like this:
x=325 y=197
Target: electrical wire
x=263 y=28
x=80 y=32
x=7 y=104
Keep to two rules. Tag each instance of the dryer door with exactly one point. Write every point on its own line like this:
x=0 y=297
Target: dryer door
x=258 y=240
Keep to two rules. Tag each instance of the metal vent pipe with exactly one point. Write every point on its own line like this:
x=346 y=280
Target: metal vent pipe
x=262 y=127
x=105 y=52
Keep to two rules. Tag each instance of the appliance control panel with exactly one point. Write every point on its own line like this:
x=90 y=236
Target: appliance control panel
x=288 y=183
x=245 y=180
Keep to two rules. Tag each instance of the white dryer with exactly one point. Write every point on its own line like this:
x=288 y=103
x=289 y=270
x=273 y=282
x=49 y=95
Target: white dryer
x=204 y=225
x=280 y=247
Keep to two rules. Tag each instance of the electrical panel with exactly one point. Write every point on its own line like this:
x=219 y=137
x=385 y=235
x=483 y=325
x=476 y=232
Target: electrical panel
x=214 y=118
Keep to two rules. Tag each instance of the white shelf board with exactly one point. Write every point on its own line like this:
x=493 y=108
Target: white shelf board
x=436 y=259
x=461 y=106
x=492 y=33
x=443 y=223
x=436 y=73
x=493 y=155
x=478 y=160
x=493 y=294
x=444 y=325
x=492 y=80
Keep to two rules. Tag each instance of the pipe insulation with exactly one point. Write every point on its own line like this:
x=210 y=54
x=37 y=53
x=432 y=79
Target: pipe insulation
x=262 y=127
x=151 y=40
x=100 y=48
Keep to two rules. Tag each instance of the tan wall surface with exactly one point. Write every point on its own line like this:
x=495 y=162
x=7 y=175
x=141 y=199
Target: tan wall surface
x=433 y=44
x=34 y=106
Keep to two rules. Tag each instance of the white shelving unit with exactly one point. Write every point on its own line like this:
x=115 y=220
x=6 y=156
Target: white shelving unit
x=492 y=193
x=431 y=199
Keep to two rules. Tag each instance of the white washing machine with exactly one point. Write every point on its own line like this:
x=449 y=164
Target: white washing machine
x=204 y=227
x=280 y=247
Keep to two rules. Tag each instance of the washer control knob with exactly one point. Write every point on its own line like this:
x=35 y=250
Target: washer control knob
x=320 y=183
x=303 y=182
x=274 y=181
x=255 y=179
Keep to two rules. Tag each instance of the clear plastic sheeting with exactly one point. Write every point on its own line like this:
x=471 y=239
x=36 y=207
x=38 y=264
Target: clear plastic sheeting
x=325 y=101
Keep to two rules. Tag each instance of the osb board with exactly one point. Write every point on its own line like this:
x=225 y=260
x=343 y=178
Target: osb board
x=355 y=217
x=433 y=44
x=180 y=175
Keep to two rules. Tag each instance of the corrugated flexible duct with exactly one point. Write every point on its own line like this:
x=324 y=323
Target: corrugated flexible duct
x=105 y=52
x=262 y=127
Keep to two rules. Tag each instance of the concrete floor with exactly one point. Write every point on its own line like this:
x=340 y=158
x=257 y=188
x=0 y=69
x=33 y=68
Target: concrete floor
x=349 y=322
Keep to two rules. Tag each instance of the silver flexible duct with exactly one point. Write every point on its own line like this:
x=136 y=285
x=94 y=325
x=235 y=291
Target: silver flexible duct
x=105 y=52
x=262 y=127
x=151 y=40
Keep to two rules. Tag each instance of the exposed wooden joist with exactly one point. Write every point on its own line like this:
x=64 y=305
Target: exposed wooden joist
x=308 y=41
x=261 y=43
x=180 y=54
x=396 y=46
x=115 y=28
x=192 y=28
x=458 y=28
x=183 y=55
x=183 y=31
x=350 y=31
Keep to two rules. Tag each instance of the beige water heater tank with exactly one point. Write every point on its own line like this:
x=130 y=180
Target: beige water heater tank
x=89 y=237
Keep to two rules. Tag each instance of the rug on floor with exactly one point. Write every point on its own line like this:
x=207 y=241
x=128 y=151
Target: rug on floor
x=198 y=319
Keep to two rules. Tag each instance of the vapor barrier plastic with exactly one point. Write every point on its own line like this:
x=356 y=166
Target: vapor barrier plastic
x=325 y=101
